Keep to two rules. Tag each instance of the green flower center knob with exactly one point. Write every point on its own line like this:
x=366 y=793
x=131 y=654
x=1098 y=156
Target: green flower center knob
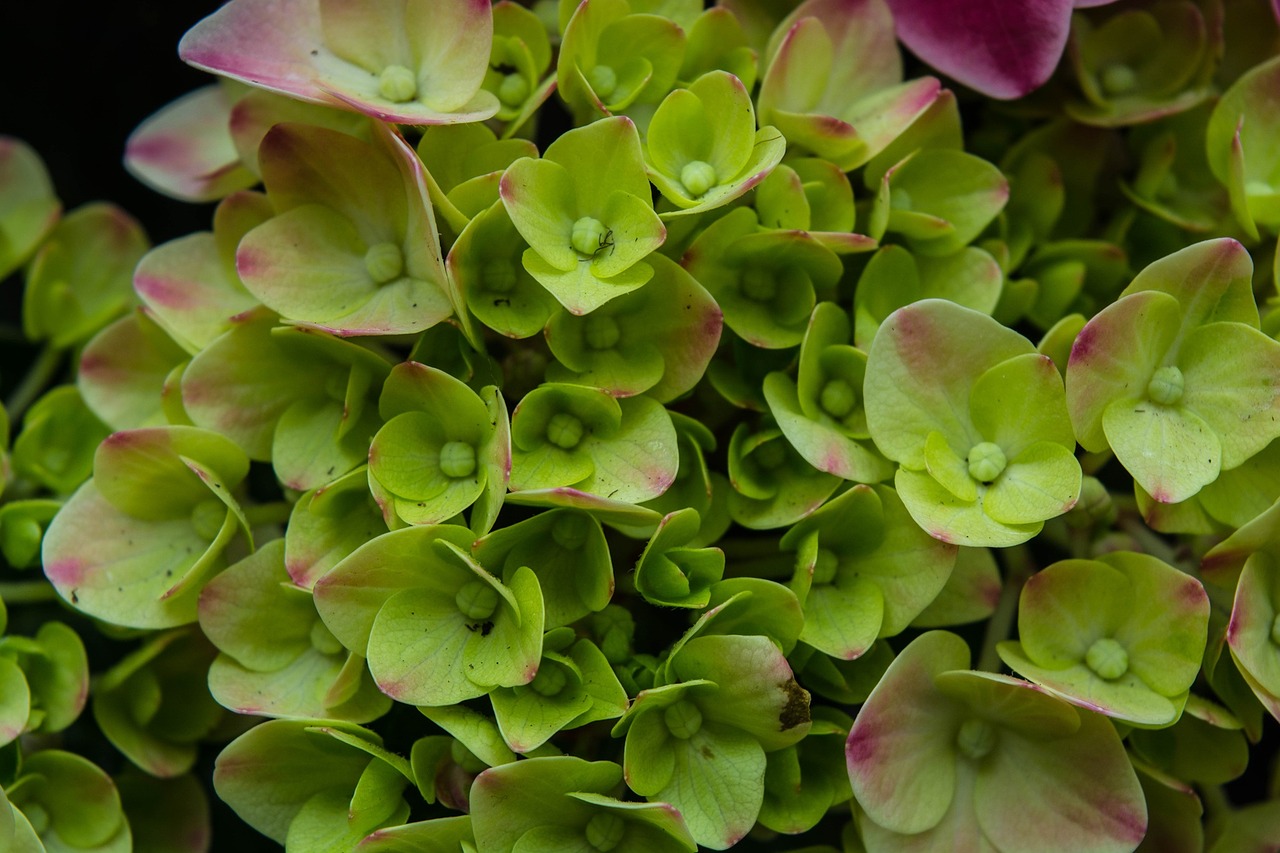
x=322 y=639
x=1107 y=658
x=770 y=455
x=476 y=600
x=602 y=332
x=513 y=90
x=986 y=461
x=698 y=176
x=604 y=831
x=603 y=80
x=564 y=431
x=457 y=460
x=384 y=262
x=570 y=532
x=397 y=84
x=1165 y=386
x=549 y=681
x=975 y=739
x=1119 y=79
x=824 y=567
x=589 y=236
x=1275 y=630
x=837 y=398
x=683 y=719
x=759 y=285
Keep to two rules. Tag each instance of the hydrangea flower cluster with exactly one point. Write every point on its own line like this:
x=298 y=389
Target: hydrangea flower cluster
x=646 y=425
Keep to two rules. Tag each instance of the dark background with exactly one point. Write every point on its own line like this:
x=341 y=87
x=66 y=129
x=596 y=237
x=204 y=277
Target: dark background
x=79 y=76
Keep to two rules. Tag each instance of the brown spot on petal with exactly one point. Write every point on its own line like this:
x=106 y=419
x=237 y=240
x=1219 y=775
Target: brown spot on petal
x=796 y=711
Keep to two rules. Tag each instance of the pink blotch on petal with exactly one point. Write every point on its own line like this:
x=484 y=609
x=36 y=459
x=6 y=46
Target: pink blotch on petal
x=170 y=294
x=66 y=573
x=861 y=746
x=942 y=536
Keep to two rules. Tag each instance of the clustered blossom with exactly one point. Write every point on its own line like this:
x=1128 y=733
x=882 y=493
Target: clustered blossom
x=496 y=476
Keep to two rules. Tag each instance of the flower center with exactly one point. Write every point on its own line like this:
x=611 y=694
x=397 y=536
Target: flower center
x=564 y=430
x=1165 y=386
x=549 y=681
x=1118 y=79
x=570 y=531
x=698 y=177
x=603 y=80
x=986 y=461
x=759 y=285
x=770 y=455
x=384 y=262
x=604 y=831
x=476 y=600
x=457 y=460
x=1107 y=659
x=397 y=84
x=589 y=236
x=602 y=332
x=838 y=398
x=976 y=738
x=683 y=719
x=513 y=90
x=36 y=816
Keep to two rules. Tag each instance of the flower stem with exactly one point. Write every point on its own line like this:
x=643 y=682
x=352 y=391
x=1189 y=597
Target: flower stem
x=1018 y=568
x=272 y=513
x=27 y=592
x=41 y=372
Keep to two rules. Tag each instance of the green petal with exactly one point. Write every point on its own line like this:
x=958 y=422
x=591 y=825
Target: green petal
x=1170 y=451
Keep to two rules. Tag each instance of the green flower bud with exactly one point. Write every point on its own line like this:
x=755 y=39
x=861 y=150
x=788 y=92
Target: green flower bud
x=1275 y=630
x=397 y=84
x=1166 y=386
x=698 y=177
x=513 y=90
x=986 y=461
x=457 y=460
x=976 y=738
x=1118 y=79
x=683 y=719
x=570 y=531
x=549 y=681
x=605 y=831
x=603 y=80
x=1107 y=658
x=759 y=285
x=564 y=430
x=36 y=816
x=384 y=262
x=477 y=600
x=589 y=236
x=838 y=398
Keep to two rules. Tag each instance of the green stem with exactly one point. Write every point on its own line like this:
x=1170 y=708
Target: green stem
x=1018 y=568
x=272 y=513
x=1151 y=542
x=40 y=374
x=27 y=592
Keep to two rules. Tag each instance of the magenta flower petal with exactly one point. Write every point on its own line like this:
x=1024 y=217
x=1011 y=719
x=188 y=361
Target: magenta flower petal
x=1000 y=48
